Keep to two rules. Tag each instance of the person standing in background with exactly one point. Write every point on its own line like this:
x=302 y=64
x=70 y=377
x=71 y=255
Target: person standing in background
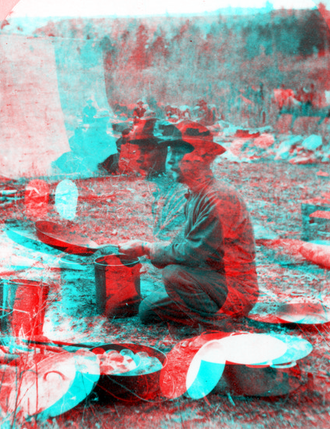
x=138 y=112
x=89 y=112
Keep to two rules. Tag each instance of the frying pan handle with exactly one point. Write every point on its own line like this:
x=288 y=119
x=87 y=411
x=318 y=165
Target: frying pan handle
x=284 y=365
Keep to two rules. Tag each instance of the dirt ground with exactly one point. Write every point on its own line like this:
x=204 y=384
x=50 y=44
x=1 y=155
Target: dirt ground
x=119 y=208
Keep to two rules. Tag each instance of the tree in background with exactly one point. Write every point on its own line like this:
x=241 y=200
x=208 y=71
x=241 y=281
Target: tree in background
x=177 y=60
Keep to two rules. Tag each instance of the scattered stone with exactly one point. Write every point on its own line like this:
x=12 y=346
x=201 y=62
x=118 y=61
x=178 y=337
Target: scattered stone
x=325 y=158
x=304 y=159
x=230 y=130
x=312 y=142
x=322 y=173
x=283 y=151
x=238 y=146
x=306 y=125
x=255 y=145
x=230 y=156
x=264 y=141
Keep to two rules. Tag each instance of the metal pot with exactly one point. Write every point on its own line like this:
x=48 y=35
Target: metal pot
x=130 y=388
x=117 y=281
x=279 y=377
x=246 y=380
x=23 y=306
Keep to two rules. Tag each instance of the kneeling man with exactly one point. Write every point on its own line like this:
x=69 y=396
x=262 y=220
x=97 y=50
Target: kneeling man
x=209 y=275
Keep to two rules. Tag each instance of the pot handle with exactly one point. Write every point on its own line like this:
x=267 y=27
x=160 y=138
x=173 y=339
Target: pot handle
x=128 y=263
x=264 y=365
x=257 y=366
x=53 y=372
x=284 y=365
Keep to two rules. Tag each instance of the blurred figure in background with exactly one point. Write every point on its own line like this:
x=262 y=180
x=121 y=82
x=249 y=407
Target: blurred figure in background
x=206 y=115
x=184 y=112
x=111 y=164
x=88 y=147
x=89 y=112
x=139 y=111
x=141 y=153
x=172 y=113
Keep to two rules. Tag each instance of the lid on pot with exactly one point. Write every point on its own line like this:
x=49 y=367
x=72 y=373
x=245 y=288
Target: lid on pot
x=297 y=348
x=205 y=370
x=87 y=375
x=42 y=384
x=250 y=349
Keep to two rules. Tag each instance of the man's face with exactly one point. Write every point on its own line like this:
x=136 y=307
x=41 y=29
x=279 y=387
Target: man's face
x=185 y=166
x=173 y=162
x=147 y=159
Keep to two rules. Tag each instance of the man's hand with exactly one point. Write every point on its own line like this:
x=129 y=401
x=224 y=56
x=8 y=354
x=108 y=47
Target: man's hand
x=134 y=248
x=106 y=249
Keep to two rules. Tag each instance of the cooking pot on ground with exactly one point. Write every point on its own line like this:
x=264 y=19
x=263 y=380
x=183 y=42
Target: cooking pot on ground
x=278 y=375
x=23 y=306
x=130 y=388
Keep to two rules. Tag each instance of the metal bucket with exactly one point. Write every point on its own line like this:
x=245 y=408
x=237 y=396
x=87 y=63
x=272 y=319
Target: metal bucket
x=117 y=282
x=22 y=305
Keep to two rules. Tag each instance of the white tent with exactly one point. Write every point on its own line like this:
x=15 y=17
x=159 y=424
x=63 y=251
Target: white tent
x=45 y=84
x=32 y=132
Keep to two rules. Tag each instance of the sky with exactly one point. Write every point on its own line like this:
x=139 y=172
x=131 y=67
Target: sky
x=122 y=8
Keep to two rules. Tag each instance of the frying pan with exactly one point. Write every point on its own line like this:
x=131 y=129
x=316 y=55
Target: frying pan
x=34 y=393
x=300 y=313
x=23 y=233
x=68 y=240
x=243 y=354
x=304 y=313
x=86 y=377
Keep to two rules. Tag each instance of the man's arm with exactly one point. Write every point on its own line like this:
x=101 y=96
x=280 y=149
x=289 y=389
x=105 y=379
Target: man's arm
x=203 y=245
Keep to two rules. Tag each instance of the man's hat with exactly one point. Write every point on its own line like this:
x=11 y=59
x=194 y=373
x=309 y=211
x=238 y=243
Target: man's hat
x=191 y=135
x=142 y=133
